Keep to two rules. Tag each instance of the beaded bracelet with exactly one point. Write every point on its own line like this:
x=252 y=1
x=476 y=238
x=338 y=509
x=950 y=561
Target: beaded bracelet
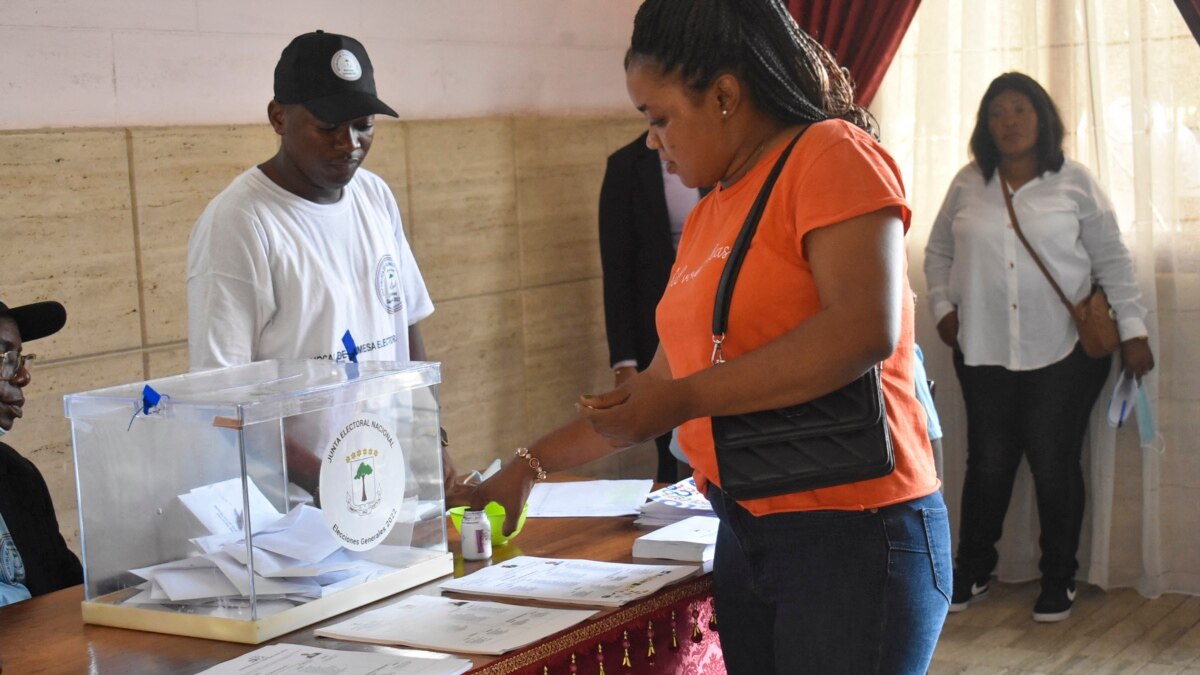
x=534 y=463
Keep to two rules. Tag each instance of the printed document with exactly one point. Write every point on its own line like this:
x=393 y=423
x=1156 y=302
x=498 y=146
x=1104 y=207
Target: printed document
x=575 y=582
x=289 y=658
x=463 y=626
x=672 y=503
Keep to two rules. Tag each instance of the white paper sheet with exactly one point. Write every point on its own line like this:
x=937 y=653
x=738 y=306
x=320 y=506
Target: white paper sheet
x=192 y=584
x=194 y=562
x=219 y=507
x=691 y=540
x=593 y=498
x=1123 y=400
x=239 y=576
x=575 y=582
x=303 y=536
x=361 y=576
x=288 y=658
x=216 y=542
x=464 y=626
x=270 y=564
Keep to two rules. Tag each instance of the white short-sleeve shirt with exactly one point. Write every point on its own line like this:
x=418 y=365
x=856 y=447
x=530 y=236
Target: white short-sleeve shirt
x=273 y=275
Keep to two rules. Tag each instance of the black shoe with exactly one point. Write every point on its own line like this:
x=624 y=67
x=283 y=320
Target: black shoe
x=1055 y=601
x=967 y=590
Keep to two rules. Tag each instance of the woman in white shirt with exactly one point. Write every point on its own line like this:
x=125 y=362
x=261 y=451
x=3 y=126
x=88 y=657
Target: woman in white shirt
x=1027 y=384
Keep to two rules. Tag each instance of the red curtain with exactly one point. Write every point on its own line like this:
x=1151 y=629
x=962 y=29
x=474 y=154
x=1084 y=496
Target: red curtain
x=1190 y=9
x=863 y=35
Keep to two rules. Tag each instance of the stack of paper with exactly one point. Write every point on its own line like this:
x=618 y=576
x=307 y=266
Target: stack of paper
x=295 y=558
x=462 y=626
x=690 y=540
x=575 y=582
x=673 y=503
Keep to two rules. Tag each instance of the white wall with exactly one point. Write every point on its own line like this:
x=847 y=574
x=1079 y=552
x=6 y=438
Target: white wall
x=90 y=63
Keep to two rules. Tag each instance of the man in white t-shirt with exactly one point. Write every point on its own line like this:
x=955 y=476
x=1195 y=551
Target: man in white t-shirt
x=304 y=255
x=306 y=246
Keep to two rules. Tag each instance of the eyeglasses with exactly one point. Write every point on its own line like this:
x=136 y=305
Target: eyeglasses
x=12 y=364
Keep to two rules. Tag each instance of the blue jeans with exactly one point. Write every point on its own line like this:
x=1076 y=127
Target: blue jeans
x=828 y=592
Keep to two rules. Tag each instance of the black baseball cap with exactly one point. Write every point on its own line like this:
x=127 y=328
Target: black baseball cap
x=36 y=320
x=331 y=76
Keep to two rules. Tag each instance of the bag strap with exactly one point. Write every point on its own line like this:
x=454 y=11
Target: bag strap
x=1021 y=235
x=733 y=264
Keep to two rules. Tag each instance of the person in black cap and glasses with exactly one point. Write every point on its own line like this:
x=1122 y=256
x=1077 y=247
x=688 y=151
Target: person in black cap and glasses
x=34 y=558
x=304 y=255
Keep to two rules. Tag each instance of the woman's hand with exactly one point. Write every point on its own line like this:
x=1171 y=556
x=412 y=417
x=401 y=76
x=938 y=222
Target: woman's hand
x=509 y=487
x=622 y=375
x=459 y=492
x=1136 y=357
x=642 y=409
x=947 y=329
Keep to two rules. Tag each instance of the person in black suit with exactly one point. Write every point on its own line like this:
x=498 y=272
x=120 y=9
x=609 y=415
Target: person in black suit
x=642 y=210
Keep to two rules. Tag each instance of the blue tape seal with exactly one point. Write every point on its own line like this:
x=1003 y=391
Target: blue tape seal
x=150 y=399
x=351 y=348
x=149 y=404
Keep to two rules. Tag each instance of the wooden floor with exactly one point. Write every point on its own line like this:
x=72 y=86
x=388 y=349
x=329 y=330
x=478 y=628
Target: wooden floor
x=1116 y=631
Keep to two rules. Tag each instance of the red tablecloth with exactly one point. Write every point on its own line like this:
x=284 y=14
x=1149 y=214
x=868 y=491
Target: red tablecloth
x=678 y=623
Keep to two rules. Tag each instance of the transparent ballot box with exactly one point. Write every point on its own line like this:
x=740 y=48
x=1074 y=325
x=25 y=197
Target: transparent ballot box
x=246 y=502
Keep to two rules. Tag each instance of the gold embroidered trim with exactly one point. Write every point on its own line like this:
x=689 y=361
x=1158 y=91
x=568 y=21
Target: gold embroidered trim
x=588 y=631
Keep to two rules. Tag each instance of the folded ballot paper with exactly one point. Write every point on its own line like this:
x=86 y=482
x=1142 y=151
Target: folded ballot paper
x=673 y=503
x=690 y=540
x=295 y=558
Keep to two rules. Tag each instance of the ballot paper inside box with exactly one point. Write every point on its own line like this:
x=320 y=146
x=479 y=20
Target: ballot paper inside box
x=246 y=502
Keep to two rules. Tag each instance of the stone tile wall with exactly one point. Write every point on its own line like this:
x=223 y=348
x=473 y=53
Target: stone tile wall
x=501 y=214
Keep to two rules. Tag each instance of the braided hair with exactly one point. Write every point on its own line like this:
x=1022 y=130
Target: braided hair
x=791 y=76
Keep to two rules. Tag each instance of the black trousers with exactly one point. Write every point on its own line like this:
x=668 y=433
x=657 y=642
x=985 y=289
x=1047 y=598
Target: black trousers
x=1040 y=415
x=668 y=466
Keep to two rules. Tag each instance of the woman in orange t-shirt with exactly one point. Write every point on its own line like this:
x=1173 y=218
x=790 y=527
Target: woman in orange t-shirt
x=853 y=578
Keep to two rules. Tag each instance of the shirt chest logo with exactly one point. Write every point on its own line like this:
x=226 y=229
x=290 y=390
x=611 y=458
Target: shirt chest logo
x=387 y=285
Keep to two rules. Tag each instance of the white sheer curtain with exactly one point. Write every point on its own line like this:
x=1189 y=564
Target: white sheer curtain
x=1124 y=75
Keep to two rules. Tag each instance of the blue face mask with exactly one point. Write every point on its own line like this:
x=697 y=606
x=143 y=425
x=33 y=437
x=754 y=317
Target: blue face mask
x=1145 y=418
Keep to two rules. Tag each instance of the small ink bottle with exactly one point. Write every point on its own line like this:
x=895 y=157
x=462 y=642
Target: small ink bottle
x=476 y=536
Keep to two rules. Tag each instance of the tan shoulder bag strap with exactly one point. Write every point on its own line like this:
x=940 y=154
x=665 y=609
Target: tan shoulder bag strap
x=1021 y=235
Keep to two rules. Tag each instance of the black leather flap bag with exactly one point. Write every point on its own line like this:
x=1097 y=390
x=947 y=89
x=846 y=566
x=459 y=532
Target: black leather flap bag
x=841 y=437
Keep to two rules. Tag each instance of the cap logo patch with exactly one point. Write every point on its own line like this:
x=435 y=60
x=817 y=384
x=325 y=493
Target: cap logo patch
x=345 y=65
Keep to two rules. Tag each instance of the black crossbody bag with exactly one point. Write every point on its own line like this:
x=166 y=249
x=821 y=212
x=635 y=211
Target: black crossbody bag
x=841 y=437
